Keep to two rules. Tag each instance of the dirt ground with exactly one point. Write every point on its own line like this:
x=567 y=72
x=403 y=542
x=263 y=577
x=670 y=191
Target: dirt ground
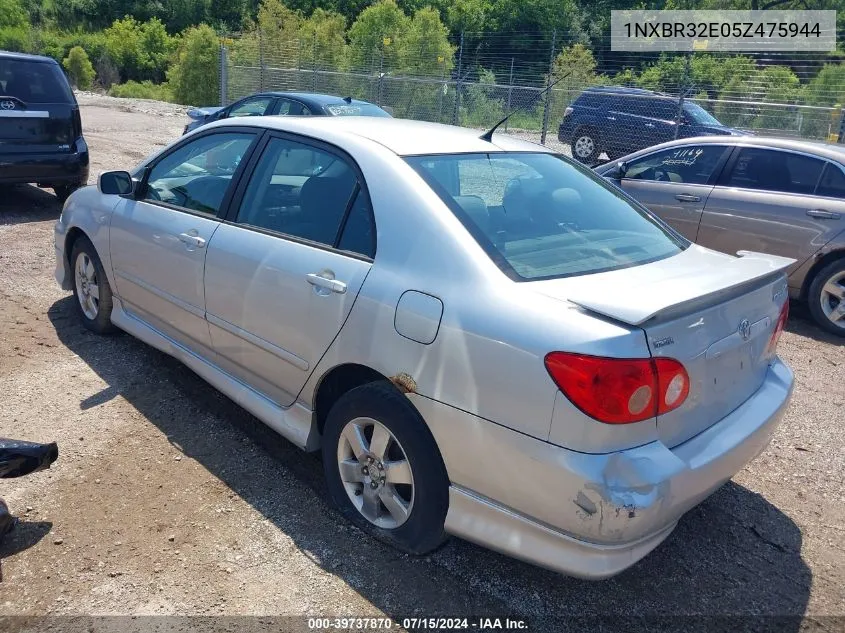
x=168 y=499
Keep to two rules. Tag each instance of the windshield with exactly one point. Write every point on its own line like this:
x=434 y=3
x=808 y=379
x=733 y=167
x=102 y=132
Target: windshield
x=539 y=216
x=697 y=114
x=355 y=109
x=33 y=82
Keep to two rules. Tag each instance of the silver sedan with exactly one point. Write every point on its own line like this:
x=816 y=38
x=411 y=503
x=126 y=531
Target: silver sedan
x=483 y=338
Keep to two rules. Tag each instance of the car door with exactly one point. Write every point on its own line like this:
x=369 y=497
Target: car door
x=283 y=272
x=158 y=238
x=675 y=183
x=772 y=201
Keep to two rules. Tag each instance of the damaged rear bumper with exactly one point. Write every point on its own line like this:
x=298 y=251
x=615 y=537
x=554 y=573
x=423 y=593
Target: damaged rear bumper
x=590 y=515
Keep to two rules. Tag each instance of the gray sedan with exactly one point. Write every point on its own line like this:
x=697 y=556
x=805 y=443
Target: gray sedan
x=778 y=196
x=482 y=337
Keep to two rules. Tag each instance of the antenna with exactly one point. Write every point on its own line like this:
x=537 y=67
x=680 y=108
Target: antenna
x=488 y=135
x=348 y=99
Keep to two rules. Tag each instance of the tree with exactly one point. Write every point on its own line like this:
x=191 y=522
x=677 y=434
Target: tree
x=13 y=15
x=79 y=68
x=425 y=47
x=323 y=40
x=194 y=77
x=375 y=34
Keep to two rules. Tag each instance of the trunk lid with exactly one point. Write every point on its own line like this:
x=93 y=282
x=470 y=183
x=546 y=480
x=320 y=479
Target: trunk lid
x=712 y=312
x=38 y=112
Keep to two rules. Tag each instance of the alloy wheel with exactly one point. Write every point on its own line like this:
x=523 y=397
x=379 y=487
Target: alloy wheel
x=376 y=473
x=87 y=288
x=833 y=299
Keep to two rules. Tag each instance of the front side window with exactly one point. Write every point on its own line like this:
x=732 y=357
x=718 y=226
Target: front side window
x=541 y=217
x=771 y=170
x=252 y=107
x=303 y=191
x=690 y=164
x=197 y=175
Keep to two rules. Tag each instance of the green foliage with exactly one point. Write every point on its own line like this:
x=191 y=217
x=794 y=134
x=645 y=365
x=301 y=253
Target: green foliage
x=13 y=15
x=79 y=68
x=194 y=76
x=377 y=35
x=323 y=41
x=140 y=50
x=424 y=48
x=142 y=90
x=17 y=39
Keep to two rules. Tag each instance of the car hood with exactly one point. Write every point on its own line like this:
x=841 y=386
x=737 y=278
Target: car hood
x=198 y=114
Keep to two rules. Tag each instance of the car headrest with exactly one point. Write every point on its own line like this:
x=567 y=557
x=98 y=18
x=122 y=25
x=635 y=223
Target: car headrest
x=476 y=209
x=323 y=201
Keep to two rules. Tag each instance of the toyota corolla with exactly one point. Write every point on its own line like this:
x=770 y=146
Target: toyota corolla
x=484 y=338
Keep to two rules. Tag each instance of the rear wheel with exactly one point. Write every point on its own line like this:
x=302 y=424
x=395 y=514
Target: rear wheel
x=383 y=469
x=91 y=287
x=63 y=191
x=827 y=297
x=586 y=145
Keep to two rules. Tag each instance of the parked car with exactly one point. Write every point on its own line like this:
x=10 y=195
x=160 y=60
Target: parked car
x=484 y=339
x=617 y=121
x=779 y=196
x=285 y=103
x=41 y=138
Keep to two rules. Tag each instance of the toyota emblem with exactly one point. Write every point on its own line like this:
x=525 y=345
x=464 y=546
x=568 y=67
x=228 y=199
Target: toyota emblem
x=7 y=105
x=744 y=329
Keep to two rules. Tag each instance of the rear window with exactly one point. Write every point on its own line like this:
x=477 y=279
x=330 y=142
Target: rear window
x=33 y=82
x=355 y=109
x=539 y=216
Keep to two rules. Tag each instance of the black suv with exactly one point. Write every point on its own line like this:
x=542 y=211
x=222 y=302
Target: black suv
x=618 y=121
x=40 y=127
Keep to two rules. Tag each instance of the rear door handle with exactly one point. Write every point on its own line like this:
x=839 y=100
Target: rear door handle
x=823 y=214
x=332 y=285
x=192 y=240
x=687 y=197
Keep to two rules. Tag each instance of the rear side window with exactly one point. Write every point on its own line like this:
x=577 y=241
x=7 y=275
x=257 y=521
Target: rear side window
x=309 y=193
x=832 y=183
x=770 y=170
x=540 y=217
x=33 y=82
x=691 y=165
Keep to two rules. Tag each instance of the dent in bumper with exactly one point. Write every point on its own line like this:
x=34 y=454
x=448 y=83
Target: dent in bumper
x=615 y=507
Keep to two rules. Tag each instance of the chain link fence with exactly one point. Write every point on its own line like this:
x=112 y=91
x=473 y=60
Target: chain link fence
x=482 y=77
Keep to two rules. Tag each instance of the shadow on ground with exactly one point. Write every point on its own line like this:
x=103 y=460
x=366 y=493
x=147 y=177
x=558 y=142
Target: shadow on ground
x=735 y=554
x=24 y=203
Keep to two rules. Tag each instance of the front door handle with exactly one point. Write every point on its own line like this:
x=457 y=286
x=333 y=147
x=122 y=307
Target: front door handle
x=687 y=197
x=823 y=214
x=192 y=240
x=332 y=285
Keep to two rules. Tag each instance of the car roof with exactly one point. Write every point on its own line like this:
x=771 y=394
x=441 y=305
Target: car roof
x=27 y=57
x=624 y=90
x=401 y=136
x=819 y=148
x=309 y=98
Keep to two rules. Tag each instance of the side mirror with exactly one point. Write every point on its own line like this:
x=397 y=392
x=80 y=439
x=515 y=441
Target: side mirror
x=115 y=183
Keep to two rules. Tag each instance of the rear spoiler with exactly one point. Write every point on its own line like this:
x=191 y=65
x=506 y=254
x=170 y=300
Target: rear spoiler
x=637 y=304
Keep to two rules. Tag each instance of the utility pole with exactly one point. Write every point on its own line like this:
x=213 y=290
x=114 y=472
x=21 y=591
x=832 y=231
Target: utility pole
x=459 y=83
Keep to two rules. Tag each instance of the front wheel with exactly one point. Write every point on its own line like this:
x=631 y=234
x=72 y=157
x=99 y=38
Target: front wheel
x=383 y=469
x=91 y=287
x=827 y=297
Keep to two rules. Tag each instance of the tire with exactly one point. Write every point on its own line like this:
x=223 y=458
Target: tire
x=91 y=288
x=419 y=529
x=825 y=304
x=63 y=191
x=586 y=145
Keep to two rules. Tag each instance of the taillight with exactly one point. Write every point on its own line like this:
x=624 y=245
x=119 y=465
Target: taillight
x=771 y=349
x=619 y=390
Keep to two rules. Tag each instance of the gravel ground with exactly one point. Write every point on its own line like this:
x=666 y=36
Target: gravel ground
x=168 y=499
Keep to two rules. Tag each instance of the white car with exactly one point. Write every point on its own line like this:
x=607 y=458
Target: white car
x=484 y=338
